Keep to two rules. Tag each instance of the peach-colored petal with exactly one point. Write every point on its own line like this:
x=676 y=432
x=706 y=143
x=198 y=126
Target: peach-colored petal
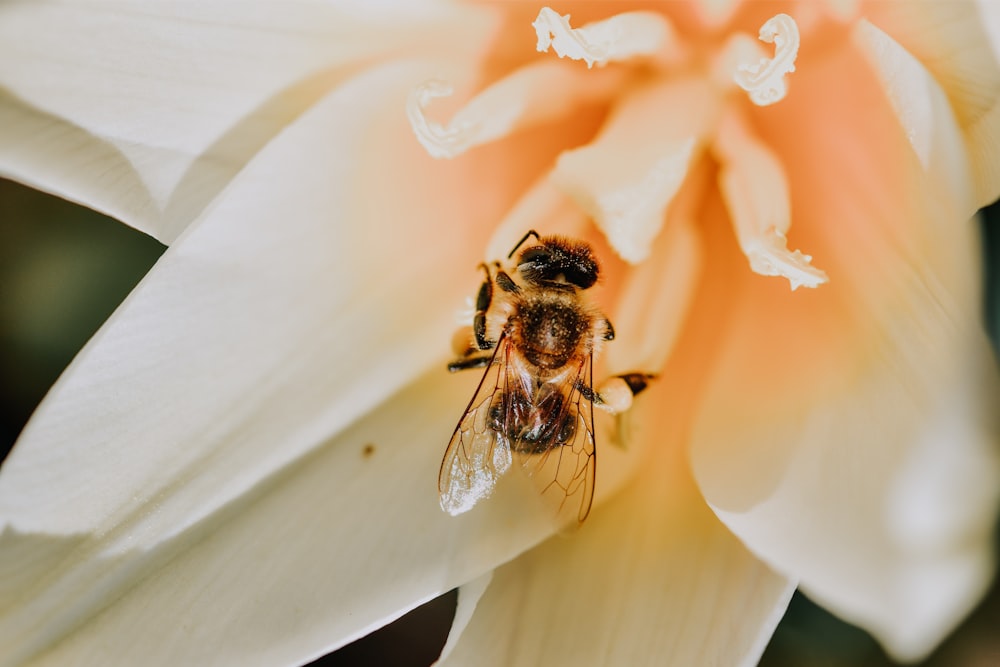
x=820 y=414
x=923 y=111
x=842 y=10
x=717 y=12
x=206 y=456
x=957 y=42
x=147 y=112
x=652 y=579
x=544 y=208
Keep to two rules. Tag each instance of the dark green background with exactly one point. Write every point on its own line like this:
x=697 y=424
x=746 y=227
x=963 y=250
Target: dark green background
x=64 y=269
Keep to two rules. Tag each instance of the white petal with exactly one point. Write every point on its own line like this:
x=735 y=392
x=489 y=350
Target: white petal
x=180 y=479
x=828 y=416
x=146 y=113
x=957 y=42
x=325 y=550
x=885 y=505
x=469 y=596
x=652 y=579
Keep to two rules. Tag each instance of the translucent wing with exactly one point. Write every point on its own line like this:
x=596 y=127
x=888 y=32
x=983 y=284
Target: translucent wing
x=478 y=453
x=562 y=461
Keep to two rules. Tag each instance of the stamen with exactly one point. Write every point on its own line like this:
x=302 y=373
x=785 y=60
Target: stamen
x=765 y=80
x=769 y=256
x=439 y=141
x=617 y=38
x=755 y=190
x=627 y=177
x=531 y=95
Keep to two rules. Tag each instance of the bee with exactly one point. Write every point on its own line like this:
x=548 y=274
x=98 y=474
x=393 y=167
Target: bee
x=536 y=337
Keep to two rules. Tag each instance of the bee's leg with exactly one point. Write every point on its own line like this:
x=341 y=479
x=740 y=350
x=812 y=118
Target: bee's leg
x=483 y=301
x=616 y=394
x=469 y=355
x=463 y=343
x=506 y=283
x=608 y=332
x=470 y=362
x=485 y=298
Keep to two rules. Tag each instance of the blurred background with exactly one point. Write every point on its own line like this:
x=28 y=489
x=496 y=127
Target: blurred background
x=64 y=269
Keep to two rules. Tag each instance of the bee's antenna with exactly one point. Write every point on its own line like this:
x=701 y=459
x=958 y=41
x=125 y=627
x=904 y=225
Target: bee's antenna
x=531 y=232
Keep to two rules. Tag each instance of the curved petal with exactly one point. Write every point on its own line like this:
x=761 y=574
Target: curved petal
x=469 y=596
x=652 y=579
x=183 y=466
x=957 y=43
x=832 y=420
x=923 y=111
x=147 y=112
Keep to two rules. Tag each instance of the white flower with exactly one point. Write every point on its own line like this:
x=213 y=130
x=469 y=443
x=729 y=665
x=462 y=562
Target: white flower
x=240 y=467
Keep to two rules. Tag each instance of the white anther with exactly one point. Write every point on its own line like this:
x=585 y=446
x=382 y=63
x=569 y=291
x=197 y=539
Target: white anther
x=620 y=37
x=440 y=141
x=769 y=255
x=764 y=80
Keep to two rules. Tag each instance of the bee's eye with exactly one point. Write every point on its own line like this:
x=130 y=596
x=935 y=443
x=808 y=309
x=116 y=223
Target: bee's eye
x=543 y=264
x=536 y=255
x=583 y=275
x=536 y=265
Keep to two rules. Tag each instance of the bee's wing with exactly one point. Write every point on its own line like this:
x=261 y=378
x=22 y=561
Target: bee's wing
x=478 y=454
x=564 y=473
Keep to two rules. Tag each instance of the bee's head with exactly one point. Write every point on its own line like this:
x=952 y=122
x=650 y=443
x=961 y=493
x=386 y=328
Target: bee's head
x=557 y=261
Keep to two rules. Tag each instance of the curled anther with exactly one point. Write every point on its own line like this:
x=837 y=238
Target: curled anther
x=439 y=141
x=769 y=256
x=620 y=37
x=764 y=80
